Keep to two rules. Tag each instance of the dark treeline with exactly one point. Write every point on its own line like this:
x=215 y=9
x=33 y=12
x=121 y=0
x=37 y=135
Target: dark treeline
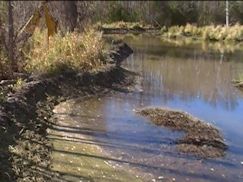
x=76 y=14
x=72 y=14
x=170 y=12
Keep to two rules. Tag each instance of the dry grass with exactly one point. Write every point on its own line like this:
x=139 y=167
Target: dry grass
x=125 y=25
x=5 y=68
x=211 y=32
x=218 y=46
x=75 y=51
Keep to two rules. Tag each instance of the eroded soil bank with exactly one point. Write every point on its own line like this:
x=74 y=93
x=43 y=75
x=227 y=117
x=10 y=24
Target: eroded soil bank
x=25 y=116
x=200 y=139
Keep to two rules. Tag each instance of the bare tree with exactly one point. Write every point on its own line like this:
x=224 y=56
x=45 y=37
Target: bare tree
x=71 y=14
x=11 y=36
x=227 y=13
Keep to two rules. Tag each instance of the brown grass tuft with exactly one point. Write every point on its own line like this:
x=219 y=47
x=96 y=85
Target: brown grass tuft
x=75 y=51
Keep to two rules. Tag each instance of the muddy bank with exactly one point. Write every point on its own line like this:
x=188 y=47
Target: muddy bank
x=24 y=116
x=201 y=139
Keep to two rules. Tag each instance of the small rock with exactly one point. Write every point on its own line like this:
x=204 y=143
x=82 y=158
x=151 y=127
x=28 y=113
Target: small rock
x=161 y=177
x=212 y=169
x=241 y=162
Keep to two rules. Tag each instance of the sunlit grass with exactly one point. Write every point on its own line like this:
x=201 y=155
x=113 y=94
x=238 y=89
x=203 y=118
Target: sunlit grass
x=217 y=46
x=210 y=32
x=76 y=51
x=125 y=25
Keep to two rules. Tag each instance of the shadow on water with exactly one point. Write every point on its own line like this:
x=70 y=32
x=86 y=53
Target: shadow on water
x=103 y=137
x=104 y=141
x=161 y=169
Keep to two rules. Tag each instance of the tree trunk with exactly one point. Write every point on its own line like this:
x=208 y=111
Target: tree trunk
x=71 y=14
x=227 y=13
x=11 y=36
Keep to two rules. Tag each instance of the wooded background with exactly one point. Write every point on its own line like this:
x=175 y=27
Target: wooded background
x=72 y=14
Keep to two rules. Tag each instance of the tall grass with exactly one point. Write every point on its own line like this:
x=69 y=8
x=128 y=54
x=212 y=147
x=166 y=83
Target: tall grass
x=74 y=51
x=217 y=46
x=125 y=25
x=210 y=33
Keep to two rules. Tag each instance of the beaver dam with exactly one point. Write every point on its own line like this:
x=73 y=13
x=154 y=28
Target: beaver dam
x=201 y=139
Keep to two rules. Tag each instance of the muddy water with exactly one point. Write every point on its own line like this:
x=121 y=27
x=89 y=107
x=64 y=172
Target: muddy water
x=127 y=147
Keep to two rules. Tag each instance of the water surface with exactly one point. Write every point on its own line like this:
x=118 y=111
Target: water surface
x=186 y=78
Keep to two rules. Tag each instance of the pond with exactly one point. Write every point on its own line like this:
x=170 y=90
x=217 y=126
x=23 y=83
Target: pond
x=187 y=78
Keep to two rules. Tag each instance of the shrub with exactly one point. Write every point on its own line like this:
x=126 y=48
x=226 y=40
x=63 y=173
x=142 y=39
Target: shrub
x=125 y=25
x=192 y=30
x=74 y=51
x=118 y=13
x=208 y=33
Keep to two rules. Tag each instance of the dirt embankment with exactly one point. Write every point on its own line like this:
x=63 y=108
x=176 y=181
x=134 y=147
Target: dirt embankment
x=200 y=139
x=24 y=116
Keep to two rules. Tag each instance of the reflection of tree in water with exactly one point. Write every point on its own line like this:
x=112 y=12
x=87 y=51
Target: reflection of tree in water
x=188 y=78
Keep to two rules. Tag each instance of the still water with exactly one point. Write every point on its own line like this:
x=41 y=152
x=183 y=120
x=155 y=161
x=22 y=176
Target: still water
x=188 y=78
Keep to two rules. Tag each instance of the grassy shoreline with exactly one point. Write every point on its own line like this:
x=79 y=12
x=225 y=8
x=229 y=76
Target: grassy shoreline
x=124 y=25
x=25 y=115
x=211 y=33
x=206 y=33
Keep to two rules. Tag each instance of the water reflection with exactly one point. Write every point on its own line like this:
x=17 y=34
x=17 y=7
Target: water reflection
x=145 y=147
x=221 y=47
x=210 y=80
x=204 y=47
x=205 y=78
x=185 y=78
